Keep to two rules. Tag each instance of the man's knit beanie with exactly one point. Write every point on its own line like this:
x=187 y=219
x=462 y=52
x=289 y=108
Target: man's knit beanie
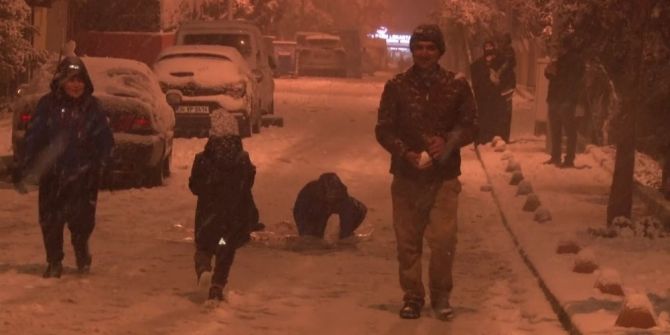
x=430 y=33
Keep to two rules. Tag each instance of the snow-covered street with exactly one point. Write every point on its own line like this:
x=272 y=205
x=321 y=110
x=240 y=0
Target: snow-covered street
x=142 y=279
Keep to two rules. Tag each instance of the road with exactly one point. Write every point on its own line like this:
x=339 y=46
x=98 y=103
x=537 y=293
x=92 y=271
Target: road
x=142 y=279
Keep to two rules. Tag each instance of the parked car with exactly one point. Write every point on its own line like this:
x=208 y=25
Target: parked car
x=142 y=121
x=209 y=77
x=247 y=39
x=321 y=54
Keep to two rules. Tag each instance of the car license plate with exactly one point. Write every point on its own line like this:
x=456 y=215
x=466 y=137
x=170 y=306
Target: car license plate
x=193 y=110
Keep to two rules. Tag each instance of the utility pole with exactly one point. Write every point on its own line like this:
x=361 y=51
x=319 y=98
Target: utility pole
x=231 y=6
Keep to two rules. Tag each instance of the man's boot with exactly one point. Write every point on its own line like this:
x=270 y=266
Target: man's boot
x=83 y=258
x=203 y=262
x=53 y=270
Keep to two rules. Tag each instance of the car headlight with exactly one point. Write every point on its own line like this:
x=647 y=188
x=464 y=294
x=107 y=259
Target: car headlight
x=237 y=90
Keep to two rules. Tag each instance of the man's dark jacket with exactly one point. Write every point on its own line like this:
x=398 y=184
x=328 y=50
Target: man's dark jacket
x=416 y=105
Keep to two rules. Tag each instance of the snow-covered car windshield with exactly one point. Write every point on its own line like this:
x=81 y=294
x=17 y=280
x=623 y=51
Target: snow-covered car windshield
x=241 y=42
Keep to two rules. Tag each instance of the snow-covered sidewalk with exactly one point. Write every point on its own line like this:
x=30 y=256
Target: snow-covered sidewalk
x=577 y=201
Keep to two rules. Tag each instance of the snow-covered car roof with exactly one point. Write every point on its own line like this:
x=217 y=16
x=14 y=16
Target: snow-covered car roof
x=204 y=65
x=117 y=82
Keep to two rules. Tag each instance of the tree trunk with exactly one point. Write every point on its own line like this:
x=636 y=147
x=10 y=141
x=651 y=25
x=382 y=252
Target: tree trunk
x=621 y=194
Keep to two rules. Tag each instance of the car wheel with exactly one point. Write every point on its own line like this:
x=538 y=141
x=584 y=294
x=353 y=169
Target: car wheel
x=156 y=175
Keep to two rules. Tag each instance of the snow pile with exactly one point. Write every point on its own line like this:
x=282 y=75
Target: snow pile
x=498 y=144
x=647 y=170
x=609 y=282
x=637 y=312
x=585 y=261
x=532 y=203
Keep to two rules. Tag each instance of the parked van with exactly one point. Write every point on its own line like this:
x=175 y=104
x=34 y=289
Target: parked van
x=247 y=39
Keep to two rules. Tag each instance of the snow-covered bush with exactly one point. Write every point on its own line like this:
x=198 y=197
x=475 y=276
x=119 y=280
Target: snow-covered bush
x=646 y=227
x=17 y=55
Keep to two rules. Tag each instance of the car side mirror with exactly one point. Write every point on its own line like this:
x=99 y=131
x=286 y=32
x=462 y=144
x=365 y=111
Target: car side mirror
x=173 y=98
x=258 y=75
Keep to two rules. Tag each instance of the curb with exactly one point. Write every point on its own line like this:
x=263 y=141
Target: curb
x=563 y=316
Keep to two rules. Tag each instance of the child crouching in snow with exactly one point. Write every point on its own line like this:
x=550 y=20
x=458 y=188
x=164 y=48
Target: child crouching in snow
x=221 y=178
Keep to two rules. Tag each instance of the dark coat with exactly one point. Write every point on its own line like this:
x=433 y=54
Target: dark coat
x=67 y=143
x=321 y=198
x=222 y=177
x=415 y=105
x=566 y=86
x=482 y=86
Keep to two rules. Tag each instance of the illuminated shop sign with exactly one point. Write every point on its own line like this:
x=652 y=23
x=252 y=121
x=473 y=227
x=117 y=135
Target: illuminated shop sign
x=392 y=40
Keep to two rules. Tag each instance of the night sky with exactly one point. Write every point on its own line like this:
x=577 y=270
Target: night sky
x=406 y=14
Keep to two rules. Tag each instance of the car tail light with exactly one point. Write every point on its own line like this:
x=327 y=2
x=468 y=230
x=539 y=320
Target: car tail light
x=141 y=125
x=24 y=119
x=131 y=123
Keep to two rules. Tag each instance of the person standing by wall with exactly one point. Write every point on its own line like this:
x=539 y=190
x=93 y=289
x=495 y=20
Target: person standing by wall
x=67 y=144
x=565 y=92
x=425 y=115
x=494 y=114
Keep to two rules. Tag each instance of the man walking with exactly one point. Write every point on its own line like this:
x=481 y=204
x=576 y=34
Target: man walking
x=425 y=115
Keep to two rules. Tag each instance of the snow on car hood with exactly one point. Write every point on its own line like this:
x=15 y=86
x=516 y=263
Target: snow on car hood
x=201 y=71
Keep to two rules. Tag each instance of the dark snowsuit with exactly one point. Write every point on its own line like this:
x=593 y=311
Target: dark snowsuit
x=564 y=93
x=495 y=113
x=67 y=143
x=321 y=198
x=222 y=178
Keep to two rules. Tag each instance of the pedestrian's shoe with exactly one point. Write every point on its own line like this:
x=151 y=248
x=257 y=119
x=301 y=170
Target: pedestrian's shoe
x=552 y=161
x=84 y=263
x=444 y=312
x=54 y=270
x=411 y=310
x=215 y=293
x=203 y=263
x=568 y=164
